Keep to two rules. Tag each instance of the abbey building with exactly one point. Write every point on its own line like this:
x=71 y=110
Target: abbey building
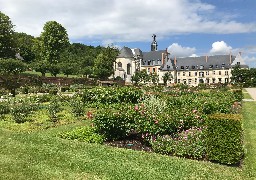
x=187 y=70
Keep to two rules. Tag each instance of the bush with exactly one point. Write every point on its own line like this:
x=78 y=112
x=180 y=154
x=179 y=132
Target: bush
x=86 y=134
x=112 y=124
x=224 y=142
x=77 y=107
x=189 y=144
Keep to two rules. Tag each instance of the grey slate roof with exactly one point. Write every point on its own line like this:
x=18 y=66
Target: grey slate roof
x=137 y=52
x=152 y=57
x=125 y=52
x=213 y=62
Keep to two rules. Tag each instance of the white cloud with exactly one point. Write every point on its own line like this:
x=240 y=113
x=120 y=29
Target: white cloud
x=120 y=21
x=250 y=61
x=177 y=50
x=220 y=47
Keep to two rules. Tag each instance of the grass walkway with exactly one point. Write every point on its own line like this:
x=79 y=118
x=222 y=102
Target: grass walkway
x=41 y=155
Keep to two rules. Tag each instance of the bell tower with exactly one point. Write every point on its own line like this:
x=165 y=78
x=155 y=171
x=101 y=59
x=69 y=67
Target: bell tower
x=154 y=43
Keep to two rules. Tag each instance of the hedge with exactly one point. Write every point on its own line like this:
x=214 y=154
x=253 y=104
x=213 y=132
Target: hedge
x=224 y=138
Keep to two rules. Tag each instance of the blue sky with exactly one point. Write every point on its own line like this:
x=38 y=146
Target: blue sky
x=185 y=27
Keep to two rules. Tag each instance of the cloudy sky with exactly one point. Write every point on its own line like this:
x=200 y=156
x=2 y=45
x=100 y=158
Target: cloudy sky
x=185 y=27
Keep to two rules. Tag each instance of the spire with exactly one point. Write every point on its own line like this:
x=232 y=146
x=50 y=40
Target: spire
x=154 y=43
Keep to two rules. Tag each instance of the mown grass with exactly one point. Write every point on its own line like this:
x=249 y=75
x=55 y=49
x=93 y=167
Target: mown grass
x=41 y=155
x=49 y=74
x=249 y=124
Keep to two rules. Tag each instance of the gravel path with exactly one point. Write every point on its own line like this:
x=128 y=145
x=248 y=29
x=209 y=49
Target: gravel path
x=252 y=92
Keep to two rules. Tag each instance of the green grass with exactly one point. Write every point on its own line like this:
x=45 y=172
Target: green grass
x=249 y=114
x=41 y=155
x=246 y=94
x=49 y=74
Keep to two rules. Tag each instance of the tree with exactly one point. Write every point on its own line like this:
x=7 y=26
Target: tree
x=10 y=70
x=154 y=78
x=40 y=66
x=25 y=44
x=54 y=41
x=167 y=77
x=103 y=64
x=7 y=42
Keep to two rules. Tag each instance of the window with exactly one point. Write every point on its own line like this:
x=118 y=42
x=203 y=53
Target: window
x=184 y=73
x=226 y=73
x=149 y=61
x=238 y=63
x=207 y=73
x=216 y=66
x=129 y=69
x=154 y=70
x=193 y=67
x=219 y=72
x=201 y=74
x=201 y=67
x=119 y=64
x=195 y=80
x=220 y=80
x=226 y=80
x=210 y=66
x=178 y=80
x=181 y=67
x=178 y=73
x=189 y=73
x=189 y=81
x=195 y=73
x=213 y=80
x=213 y=72
x=187 y=67
x=148 y=70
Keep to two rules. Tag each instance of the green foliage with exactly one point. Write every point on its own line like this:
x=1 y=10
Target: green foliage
x=21 y=111
x=112 y=125
x=53 y=108
x=85 y=134
x=108 y=95
x=7 y=42
x=167 y=77
x=77 y=107
x=224 y=138
x=54 y=41
x=103 y=64
x=189 y=144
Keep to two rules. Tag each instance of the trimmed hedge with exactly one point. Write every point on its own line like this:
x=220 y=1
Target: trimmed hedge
x=224 y=138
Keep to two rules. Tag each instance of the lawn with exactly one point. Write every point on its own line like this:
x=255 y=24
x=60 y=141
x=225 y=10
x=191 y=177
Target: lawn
x=41 y=154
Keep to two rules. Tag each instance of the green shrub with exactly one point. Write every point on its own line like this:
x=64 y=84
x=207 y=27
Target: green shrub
x=53 y=108
x=238 y=95
x=112 y=124
x=86 y=134
x=224 y=138
x=77 y=107
x=189 y=143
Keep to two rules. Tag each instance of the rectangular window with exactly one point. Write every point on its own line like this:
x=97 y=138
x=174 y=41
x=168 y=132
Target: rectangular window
x=195 y=80
x=213 y=80
x=189 y=81
x=178 y=80
x=189 y=73
x=195 y=73
x=154 y=70
x=220 y=80
x=213 y=72
x=184 y=73
x=226 y=73
x=148 y=70
x=219 y=72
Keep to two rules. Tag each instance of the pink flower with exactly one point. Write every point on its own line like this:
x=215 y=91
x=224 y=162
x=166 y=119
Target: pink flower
x=156 y=122
x=194 y=111
x=136 y=107
x=89 y=115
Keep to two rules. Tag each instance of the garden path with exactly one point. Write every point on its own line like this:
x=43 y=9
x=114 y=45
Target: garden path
x=252 y=92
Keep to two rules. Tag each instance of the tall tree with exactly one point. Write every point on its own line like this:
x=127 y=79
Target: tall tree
x=54 y=40
x=25 y=45
x=9 y=71
x=103 y=64
x=7 y=42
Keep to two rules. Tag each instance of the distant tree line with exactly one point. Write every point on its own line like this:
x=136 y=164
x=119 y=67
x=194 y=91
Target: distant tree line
x=244 y=77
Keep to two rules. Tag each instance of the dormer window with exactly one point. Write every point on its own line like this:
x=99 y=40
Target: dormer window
x=119 y=64
x=216 y=66
x=201 y=67
x=211 y=66
x=182 y=67
x=193 y=67
x=187 y=67
x=238 y=63
x=168 y=67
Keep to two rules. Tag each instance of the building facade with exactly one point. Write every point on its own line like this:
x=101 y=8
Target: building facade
x=187 y=70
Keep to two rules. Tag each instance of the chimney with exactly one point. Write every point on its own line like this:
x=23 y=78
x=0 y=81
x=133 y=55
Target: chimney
x=206 y=58
x=230 y=58
x=175 y=61
x=162 y=58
